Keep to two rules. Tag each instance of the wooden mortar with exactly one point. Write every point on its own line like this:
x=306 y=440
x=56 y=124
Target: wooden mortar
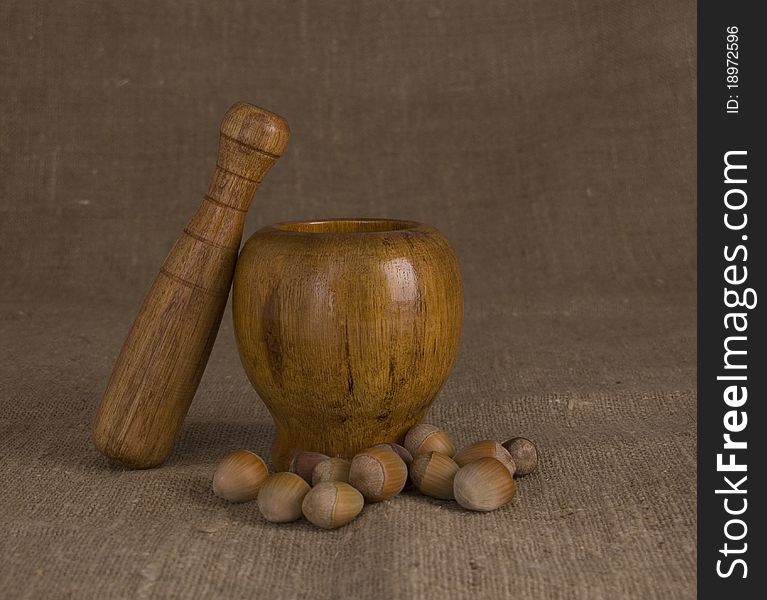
x=347 y=329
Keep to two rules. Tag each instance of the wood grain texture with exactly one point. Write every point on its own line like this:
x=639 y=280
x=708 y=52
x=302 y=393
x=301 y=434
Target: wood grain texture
x=163 y=358
x=346 y=328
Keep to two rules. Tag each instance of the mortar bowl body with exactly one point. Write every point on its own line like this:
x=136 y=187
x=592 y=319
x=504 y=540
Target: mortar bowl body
x=346 y=328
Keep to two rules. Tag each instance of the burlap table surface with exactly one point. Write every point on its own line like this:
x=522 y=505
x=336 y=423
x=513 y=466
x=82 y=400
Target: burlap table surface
x=552 y=142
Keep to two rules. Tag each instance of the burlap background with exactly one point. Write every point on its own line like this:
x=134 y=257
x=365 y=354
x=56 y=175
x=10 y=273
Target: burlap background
x=552 y=142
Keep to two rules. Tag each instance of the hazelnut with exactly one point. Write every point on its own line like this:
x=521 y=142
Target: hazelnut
x=303 y=463
x=239 y=476
x=428 y=438
x=331 y=469
x=403 y=452
x=280 y=497
x=483 y=449
x=483 y=485
x=378 y=473
x=331 y=504
x=433 y=474
x=524 y=453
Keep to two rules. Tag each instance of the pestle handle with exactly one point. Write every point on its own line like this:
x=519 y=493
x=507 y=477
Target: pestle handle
x=162 y=360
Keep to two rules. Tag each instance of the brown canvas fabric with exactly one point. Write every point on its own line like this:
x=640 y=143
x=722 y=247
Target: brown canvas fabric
x=552 y=142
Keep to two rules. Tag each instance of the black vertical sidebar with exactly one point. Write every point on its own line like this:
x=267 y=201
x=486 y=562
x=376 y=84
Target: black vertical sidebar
x=732 y=298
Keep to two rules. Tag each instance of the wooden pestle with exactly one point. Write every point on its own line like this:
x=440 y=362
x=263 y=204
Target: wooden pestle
x=163 y=358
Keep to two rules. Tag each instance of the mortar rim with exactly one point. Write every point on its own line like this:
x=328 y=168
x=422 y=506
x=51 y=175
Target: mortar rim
x=325 y=227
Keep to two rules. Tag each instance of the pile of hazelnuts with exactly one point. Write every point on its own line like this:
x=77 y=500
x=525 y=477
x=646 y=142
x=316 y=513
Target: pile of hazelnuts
x=330 y=492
